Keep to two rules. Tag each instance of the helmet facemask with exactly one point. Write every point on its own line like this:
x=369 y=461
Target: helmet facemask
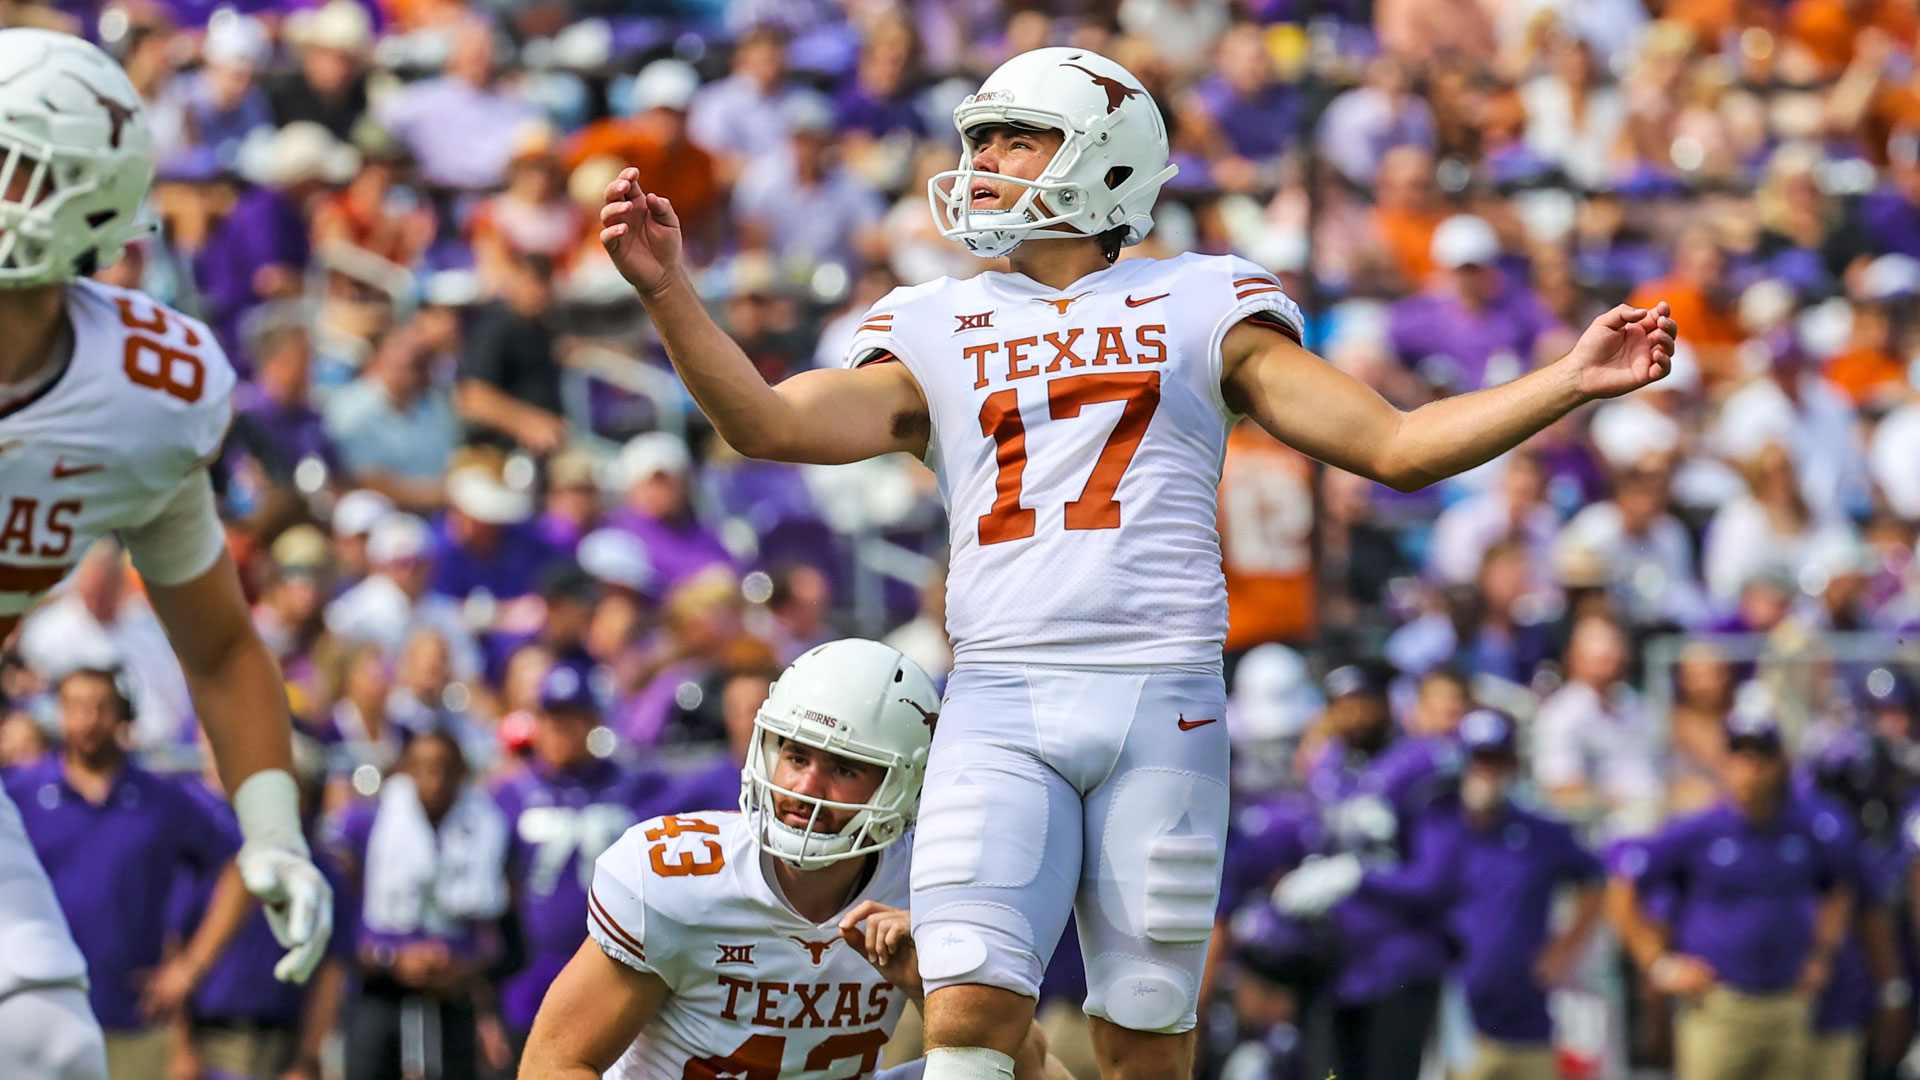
x=875 y=824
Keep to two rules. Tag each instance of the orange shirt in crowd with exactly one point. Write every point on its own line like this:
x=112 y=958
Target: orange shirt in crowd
x=1407 y=237
x=1266 y=540
x=1827 y=28
x=1865 y=374
x=686 y=175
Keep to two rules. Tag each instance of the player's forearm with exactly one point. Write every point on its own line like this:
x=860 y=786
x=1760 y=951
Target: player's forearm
x=1449 y=436
x=1831 y=921
x=323 y=1010
x=242 y=703
x=749 y=414
x=1586 y=916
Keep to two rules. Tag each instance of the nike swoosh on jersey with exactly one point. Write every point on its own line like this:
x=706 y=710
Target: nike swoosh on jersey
x=1131 y=302
x=1189 y=725
x=62 y=470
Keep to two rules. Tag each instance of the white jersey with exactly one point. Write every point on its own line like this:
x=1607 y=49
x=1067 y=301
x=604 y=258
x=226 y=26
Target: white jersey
x=759 y=993
x=1078 y=435
x=112 y=445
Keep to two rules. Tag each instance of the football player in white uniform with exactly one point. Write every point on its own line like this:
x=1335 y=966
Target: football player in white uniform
x=1076 y=411
x=766 y=943
x=110 y=406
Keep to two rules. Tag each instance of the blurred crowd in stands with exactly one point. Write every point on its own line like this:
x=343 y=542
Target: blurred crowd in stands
x=500 y=554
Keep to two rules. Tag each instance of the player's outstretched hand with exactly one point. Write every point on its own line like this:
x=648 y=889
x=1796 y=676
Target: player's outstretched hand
x=640 y=232
x=298 y=902
x=885 y=941
x=1624 y=350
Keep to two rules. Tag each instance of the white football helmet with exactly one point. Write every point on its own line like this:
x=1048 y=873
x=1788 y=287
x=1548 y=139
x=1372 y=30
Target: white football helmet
x=858 y=699
x=1106 y=173
x=75 y=158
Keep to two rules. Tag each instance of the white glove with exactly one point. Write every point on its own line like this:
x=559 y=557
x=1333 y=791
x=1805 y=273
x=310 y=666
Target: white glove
x=1316 y=885
x=276 y=866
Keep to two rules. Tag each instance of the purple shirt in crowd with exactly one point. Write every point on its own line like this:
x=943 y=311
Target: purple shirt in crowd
x=1892 y=222
x=239 y=988
x=1507 y=875
x=1259 y=125
x=511 y=569
x=113 y=866
x=711 y=787
x=292 y=433
x=676 y=550
x=1439 y=336
x=560 y=820
x=1744 y=892
x=262 y=230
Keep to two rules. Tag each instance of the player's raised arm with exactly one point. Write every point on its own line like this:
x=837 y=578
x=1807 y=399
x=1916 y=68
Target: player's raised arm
x=1322 y=411
x=818 y=417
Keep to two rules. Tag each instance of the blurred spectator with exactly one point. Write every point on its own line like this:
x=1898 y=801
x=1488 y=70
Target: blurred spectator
x=842 y=210
x=1406 y=212
x=878 y=100
x=798 y=607
x=1594 y=745
x=1792 y=406
x=1477 y=326
x=98 y=620
x=1646 y=552
x=1574 y=118
x=1256 y=114
x=509 y=372
x=716 y=785
x=1514 y=507
x=533 y=216
x=1871 y=368
x=1363 y=127
x=376 y=212
x=1511 y=865
x=329 y=83
x=392 y=425
x=656 y=505
x=484 y=543
x=290 y=616
x=112 y=837
x=258 y=249
x=1769 y=526
x=561 y=812
x=222 y=103
x=573 y=505
x=394 y=600
x=655 y=140
x=743 y=118
x=354 y=517
x=1767 y=882
x=702 y=622
x=1704 y=685
x=427 y=926
x=1183 y=31
x=274 y=419
x=463 y=125
x=1890 y=215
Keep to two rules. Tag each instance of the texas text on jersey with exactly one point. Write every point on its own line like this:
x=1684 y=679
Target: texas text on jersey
x=757 y=991
x=1078 y=435
x=116 y=443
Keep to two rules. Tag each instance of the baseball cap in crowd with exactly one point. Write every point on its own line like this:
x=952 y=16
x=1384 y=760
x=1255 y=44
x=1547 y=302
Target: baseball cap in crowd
x=1890 y=277
x=302 y=549
x=1752 y=725
x=1352 y=679
x=341 y=25
x=235 y=40
x=568 y=686
x=475 y=491
x=397 y=538
x=808 y=113
x=665 y=84
x=1465 y=240
x=617 y=557
x=647 y=455
x=1488 y=732
x=358 y=512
